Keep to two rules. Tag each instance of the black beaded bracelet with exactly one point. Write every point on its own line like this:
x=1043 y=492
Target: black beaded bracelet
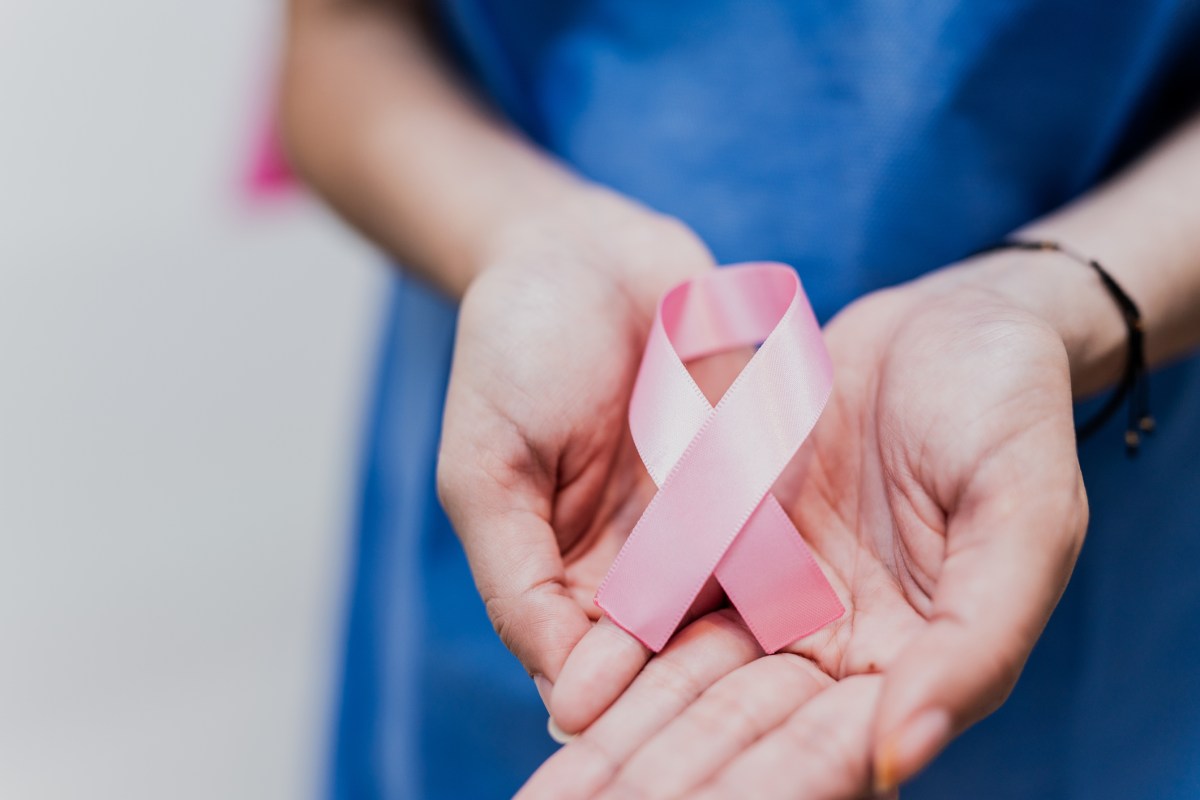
x=1134 y=382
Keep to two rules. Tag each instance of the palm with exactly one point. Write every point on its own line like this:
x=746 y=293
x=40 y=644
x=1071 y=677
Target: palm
x=536 y=469
x=878 y=528
x=940 y=400
x=575 y=417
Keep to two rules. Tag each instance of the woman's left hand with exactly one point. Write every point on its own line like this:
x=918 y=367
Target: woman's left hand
x=941 y=493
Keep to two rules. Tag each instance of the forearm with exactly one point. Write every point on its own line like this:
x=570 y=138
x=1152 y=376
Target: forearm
x=1144 y=228
x=377 y=122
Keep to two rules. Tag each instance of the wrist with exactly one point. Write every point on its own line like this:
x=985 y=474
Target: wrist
x=1067 y=296
x=611 y=237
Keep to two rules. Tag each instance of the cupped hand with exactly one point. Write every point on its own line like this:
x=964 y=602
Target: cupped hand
x=941 y=493
x=536 y=468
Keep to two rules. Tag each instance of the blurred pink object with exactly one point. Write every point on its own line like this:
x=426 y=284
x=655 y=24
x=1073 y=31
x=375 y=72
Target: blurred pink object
x=269 y=174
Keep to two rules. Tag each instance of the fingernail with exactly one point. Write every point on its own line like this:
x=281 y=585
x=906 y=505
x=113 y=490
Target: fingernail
x=544 y=686
x=910 y=747
x=557 y=733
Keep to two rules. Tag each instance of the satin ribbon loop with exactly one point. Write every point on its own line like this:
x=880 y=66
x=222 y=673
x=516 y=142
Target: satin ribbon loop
x=713 y=513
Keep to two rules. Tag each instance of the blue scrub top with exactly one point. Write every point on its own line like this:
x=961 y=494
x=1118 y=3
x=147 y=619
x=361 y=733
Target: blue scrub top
x=864 y=142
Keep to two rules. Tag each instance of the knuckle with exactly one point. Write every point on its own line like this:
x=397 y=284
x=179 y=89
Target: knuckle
x=666 y=676
x=722 y=713
x=526 y=622
x=500 y=613
x=513 y=622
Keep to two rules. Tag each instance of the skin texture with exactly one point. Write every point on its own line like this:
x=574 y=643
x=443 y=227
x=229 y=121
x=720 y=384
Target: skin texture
x=948 y=573
x=543 y=500
x=940 y=489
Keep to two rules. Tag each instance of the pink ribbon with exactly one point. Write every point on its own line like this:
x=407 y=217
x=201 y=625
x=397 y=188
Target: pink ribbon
x=713 y=513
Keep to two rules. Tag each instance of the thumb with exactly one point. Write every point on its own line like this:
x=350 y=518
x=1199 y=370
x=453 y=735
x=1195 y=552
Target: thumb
x=1010 y=552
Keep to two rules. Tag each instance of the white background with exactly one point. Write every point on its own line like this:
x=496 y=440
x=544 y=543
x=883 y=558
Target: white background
x=182 y=372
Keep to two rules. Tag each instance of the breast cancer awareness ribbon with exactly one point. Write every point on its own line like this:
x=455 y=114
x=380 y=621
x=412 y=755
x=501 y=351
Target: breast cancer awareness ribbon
x=714 y=513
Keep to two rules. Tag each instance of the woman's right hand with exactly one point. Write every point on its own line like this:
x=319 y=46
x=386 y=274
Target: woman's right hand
x=537 y=470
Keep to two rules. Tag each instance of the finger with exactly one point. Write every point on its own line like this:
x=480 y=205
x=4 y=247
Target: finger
x=519 y=573
x=820 y=752
x=502 y=518
x=1011 y=544
x=701 y=654
x=604 y=664
x=498 y=489
x=729 y=717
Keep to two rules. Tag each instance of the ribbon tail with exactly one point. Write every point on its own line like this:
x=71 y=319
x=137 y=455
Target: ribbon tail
x=774 y=582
